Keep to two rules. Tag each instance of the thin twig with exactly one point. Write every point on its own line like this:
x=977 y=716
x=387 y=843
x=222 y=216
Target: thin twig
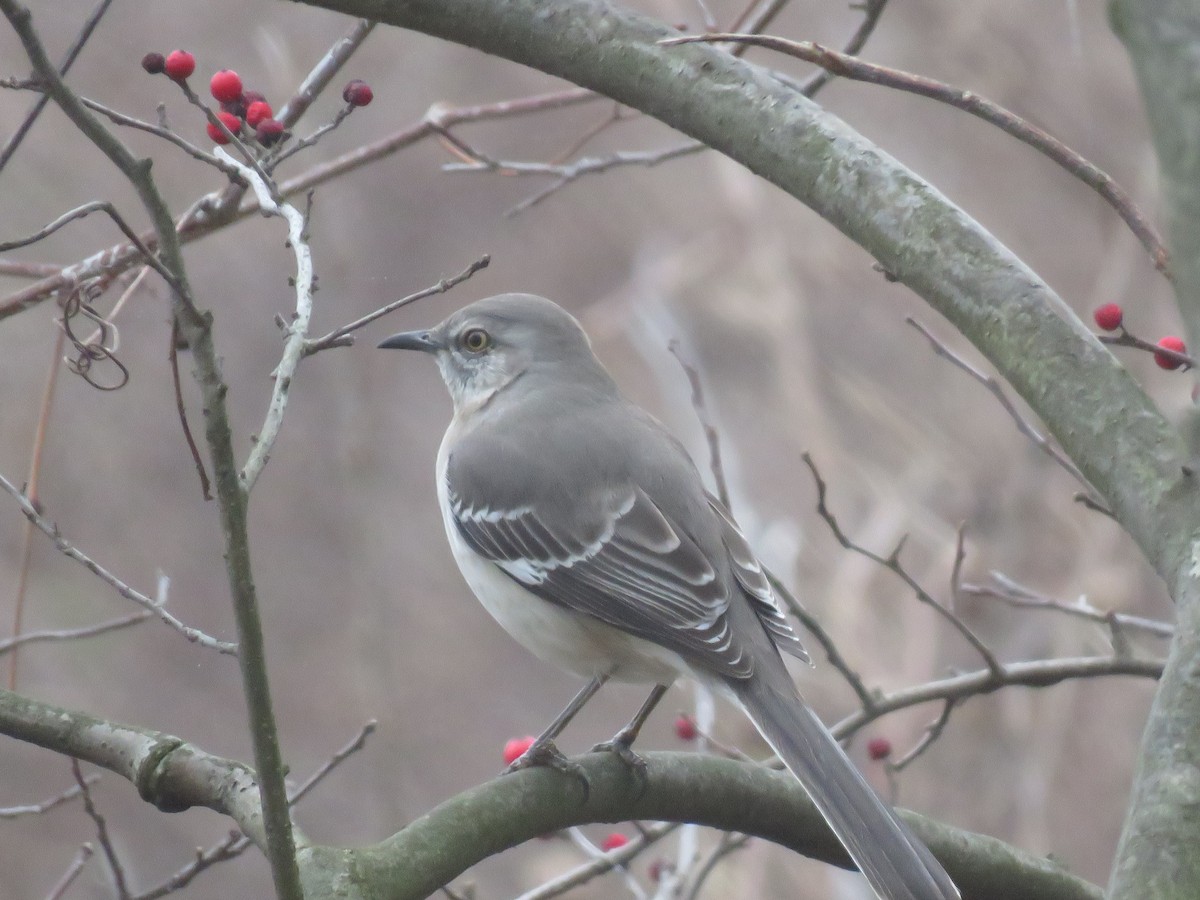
x=333 y=762
x=601 y=864
x=157 y=607
x=710 y=432
x=852 y=67
x=233 y=845
x=73 y=634
x=25 y=269
x=297 y=329
x=31 y=488
x=325 y=71
x=72 y=54
x=110 y=852
x=206 y=215
x=872 y=10
x=993 y=387
x=892 y=563
x=181 y=411
x=823 y=637
x=564 y=175
x=1125 y=339
x=932 y=732
x=163 y=132
x=36 y=809
x=340 y=337
x=304 y=143
x=1009 y=591
x=111 y=211
x=1033 y=674
x=728 y=844
x=73 y=870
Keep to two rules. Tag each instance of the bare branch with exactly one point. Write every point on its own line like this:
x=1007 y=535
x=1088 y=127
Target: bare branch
x=1125 y=339
x=710 y=431
x=181 y=411
x=157 y=607
x=1013 y=593
x=601 y=864
x=893 y=564
x=325 y=71
x=110 y=852
x=73 y=870
x=856 y=69
x=1035 y=673
x=333 y=762
x=111 y=211
x=235 y=843
x=206 y=215
x=1038 y=439
x=932 y=732
x=73 y=634
x=825 y=639
x=32 y=481
x=340 y=337
x=36 y=809
x=297 y=330
x=72 y=54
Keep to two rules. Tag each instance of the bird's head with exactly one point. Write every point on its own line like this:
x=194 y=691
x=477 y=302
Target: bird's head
x=487 y=346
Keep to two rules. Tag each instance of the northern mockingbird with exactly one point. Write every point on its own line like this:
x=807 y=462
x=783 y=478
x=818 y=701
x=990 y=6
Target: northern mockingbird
x=584 y=528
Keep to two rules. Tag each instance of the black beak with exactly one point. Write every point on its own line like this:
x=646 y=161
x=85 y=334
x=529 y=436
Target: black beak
x=425 y=341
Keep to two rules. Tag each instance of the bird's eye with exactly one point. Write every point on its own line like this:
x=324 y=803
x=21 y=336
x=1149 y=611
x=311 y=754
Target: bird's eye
x=476 y=340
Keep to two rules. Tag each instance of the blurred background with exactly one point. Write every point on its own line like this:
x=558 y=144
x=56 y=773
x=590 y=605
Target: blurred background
x=801 y=346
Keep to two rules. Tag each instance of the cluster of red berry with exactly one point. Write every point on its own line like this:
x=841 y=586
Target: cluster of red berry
x=238 y=105
x=1110 y=317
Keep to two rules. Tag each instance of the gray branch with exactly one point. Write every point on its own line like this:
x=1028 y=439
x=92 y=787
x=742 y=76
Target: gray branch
x=174 y=775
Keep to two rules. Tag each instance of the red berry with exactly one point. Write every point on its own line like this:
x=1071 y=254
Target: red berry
x=1170 y=342
x=614 y=841
x=358 y=93
x=269 y=132
x=230 y=121
x=154 y=63
x=658 y=869
x=879 y=748
x=249 y=97
x=1109 y=316
x=516 y=748
x=257 y=112
x=685 y=728
x=226 y=86
x=179 y=64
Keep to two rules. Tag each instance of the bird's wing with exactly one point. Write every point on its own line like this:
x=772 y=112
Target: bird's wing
x=756 y=585
x=617 y=558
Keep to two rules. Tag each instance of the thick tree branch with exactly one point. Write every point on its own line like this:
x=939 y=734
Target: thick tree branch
x=1103 y=421
x=1127 y=449
x=174 y=775
x=1157 y=854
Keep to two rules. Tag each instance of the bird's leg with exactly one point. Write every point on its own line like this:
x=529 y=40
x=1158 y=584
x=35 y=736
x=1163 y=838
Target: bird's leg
x=622 y=742
x=542 y=751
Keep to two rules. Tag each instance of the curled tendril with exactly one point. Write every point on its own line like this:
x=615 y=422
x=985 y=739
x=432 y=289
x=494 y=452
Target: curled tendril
x=88 y=353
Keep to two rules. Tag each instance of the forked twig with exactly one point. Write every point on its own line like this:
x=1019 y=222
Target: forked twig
x=848 y=66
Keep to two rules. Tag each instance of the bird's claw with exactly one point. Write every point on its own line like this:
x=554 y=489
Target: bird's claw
x=544 y=754
x=620 y=747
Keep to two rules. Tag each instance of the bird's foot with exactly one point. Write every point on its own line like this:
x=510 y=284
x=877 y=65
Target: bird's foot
x=545 y=755
x=621 y=747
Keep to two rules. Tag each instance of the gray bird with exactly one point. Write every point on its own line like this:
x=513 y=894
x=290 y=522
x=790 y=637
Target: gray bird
x=584 y=528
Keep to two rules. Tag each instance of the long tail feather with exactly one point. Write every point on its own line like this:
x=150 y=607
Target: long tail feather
x=895 y=862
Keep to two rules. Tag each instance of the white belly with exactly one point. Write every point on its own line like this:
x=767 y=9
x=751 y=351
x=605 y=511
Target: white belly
x=567 y=639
